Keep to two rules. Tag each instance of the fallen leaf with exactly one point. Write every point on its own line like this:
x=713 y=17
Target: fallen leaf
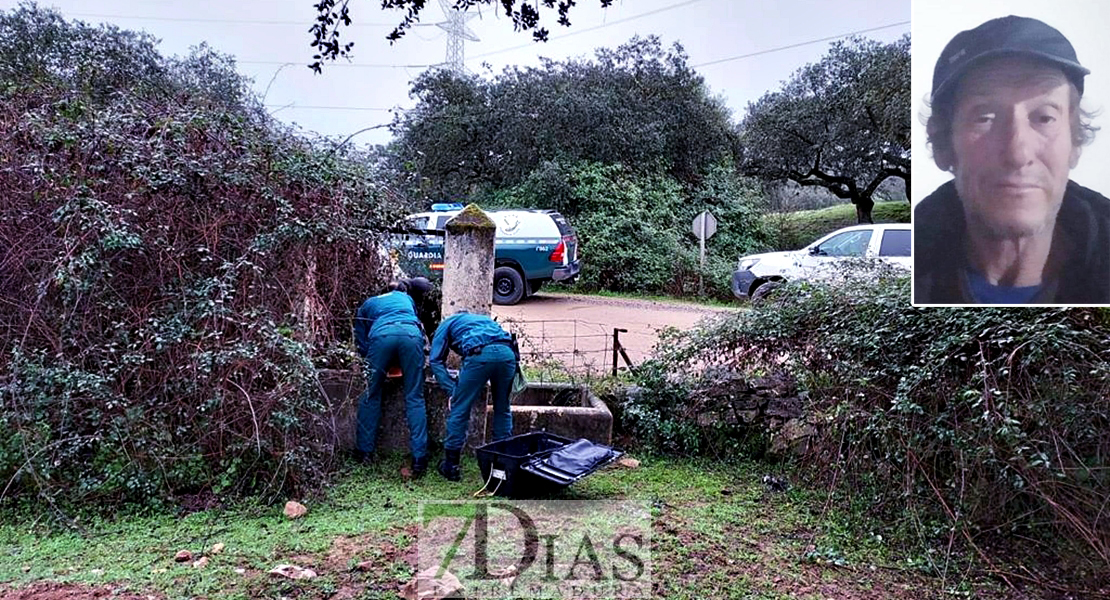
x=295 y=510
x=426 y=586
x=183 y=556
x=507 y=575
x=200 y=563
x=293 y=572
x=628 y=462
x=216 y=549
x=406 y=473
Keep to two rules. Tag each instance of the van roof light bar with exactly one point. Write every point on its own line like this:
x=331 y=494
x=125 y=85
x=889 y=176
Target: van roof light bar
x=446 y=206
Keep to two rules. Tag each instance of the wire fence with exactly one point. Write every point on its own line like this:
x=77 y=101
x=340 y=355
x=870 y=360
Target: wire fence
x=567 y=349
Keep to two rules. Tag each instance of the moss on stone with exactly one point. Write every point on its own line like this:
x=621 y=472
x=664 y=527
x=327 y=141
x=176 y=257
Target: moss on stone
x=469 y=219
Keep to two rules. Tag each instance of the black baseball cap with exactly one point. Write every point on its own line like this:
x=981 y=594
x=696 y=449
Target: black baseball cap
x=420 y=285
x=1006 y=36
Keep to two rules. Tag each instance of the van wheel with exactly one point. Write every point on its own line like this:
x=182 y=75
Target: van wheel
x=508 y=286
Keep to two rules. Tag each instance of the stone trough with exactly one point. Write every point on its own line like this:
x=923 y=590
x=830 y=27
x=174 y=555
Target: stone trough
x=564 y=409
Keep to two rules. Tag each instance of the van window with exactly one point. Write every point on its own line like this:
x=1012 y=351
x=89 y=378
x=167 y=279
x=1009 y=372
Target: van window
x=896 y=242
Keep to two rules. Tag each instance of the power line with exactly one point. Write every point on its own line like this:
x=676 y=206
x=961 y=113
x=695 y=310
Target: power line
x=338 y=64
x=799 y=44
x=204 y=20
x=588 y=29
x=713 y=62
x=704 y=64
x=322 y=107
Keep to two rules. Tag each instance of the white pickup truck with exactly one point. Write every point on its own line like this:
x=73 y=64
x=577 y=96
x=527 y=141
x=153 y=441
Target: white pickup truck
x=757 y=274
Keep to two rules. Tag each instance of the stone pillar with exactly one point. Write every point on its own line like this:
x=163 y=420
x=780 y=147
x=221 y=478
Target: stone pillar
x=468 y=263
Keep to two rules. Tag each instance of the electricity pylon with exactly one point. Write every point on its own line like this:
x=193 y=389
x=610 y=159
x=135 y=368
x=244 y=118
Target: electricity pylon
x=457 y=32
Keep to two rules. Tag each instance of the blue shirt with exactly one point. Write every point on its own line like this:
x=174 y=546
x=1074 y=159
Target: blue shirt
x=461 y=332
x=985 y=292
x=379 y=313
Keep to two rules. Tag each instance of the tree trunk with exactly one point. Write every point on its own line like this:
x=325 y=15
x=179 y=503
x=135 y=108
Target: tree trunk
x=863 y=210
x=308 y=308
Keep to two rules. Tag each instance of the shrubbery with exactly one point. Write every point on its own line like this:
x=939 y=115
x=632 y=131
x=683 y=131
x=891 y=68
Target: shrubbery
x=634 y=228
x=175 y=266
x=989 y=425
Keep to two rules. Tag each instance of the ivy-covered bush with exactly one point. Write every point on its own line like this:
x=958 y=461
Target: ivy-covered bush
x=988 y=424
x=176 y=265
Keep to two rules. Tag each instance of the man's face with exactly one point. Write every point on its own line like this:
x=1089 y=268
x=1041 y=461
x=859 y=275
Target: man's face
x=1012 y=146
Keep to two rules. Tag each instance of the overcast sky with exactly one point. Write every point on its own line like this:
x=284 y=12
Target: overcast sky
x=1083 y=22
x=719 y=36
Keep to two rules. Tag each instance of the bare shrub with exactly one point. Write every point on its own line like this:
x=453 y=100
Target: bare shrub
x=175 y=265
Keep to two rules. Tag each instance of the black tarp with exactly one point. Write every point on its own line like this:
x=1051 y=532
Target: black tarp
x=578 y=458
x=572 y=462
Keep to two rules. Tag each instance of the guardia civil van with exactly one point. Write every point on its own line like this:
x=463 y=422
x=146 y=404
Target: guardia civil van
x=531 y=248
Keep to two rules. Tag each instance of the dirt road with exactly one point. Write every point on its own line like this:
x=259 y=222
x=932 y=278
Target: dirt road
x=577 y=331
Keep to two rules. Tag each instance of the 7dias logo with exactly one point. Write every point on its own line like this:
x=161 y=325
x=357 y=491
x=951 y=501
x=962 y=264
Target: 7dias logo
x=534 y=549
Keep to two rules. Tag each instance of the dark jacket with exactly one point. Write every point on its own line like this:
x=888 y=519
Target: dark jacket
x=940 y=261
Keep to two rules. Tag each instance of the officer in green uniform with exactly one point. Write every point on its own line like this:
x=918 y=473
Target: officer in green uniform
x=388 y=332
x=488 y=354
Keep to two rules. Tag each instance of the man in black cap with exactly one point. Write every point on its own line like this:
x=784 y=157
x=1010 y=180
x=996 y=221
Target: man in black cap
x=1010 y=228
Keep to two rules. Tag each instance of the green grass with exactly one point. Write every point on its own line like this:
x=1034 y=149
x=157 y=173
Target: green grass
x=797 y=229
x=715 y=528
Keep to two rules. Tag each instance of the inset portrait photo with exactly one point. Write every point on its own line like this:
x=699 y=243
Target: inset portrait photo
x=1011 y=153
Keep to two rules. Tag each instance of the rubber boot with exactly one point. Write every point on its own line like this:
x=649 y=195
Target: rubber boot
x=362 y=458
x=419 y=467
x=449 y=466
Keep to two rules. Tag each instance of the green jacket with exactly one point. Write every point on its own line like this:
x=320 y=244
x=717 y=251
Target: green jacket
x=382 y=313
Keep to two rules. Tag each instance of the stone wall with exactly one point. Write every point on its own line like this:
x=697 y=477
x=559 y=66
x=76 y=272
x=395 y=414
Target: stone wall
x=342 y=388
x=772 y=404
x=563 y=409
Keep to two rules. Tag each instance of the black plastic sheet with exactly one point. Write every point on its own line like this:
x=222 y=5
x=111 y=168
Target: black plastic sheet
x=579 y=457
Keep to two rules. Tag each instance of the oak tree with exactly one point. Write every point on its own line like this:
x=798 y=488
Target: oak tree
x=639 y=105
x=842 y=123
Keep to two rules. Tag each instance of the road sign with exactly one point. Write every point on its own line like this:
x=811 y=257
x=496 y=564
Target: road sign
x=705 y=225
